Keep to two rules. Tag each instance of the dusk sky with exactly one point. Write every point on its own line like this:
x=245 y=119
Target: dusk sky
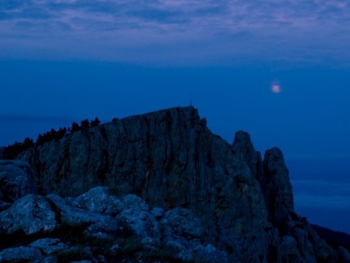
x=279 y=70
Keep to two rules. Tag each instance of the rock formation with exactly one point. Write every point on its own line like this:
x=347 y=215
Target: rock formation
x=171 y=183
x=98 y=227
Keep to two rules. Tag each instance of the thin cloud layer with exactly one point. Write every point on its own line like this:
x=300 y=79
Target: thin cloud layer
x=161 y=31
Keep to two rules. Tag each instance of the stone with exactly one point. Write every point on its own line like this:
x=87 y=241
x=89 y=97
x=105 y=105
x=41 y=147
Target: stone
x=19 y=254
x=289 y=251
x=50 y=259
x=31 y=214
x=98 y=200
x=139 y=223
x=157 y=212
x=181 y=222
x=16 y=180
x=93 y=222
x=134 y=202
x=49 y=245
x=209 y=254
x=4 y=205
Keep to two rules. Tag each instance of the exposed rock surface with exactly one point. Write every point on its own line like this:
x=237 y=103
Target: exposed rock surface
x=49 y=245
x=16 y=180
x=19 y=254
x=31 y=214
x=277 y=189
x=170 y=159
x=84 y=233
x=273 y=177
x=171 y=181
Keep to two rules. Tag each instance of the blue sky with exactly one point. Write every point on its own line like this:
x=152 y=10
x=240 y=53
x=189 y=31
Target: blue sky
x=67 y=60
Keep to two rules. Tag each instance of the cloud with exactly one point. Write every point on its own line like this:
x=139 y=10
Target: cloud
x=179 y=31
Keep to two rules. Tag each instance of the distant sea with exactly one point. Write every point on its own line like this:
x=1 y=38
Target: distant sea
x=321 y=188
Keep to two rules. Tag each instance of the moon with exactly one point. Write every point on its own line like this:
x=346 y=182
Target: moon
x=276 y=88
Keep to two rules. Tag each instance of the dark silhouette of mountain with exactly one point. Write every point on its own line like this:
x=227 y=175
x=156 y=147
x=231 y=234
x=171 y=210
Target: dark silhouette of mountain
x=334 y=238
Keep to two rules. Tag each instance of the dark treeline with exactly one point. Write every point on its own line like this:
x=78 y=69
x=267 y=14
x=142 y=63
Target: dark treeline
x=12 y=151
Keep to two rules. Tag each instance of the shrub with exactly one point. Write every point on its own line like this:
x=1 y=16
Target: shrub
x=95 y=122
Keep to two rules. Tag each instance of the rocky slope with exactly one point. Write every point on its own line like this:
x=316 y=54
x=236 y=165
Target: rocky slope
x=170 y=159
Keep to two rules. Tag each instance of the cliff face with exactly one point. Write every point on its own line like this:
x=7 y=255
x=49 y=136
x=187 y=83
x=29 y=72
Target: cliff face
x=171 y=159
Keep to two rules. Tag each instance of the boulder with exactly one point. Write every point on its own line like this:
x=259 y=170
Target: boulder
x=31 y=214
x=73 y=217
x=289 y=251
x=16 y=180
x=205 y=254
x=49 y=245
x=157 y=212
x=134 y=202
x=181 y=223
x=50 y=259
x=98 y=200
x=136 y=220
x=4 y=205
x=19 y=254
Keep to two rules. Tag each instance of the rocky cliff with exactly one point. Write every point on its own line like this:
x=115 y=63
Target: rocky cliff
x=171 y=160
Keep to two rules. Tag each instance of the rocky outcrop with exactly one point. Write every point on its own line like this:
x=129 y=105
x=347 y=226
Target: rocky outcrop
x=167 y=167
x=170 y=159
x=277 y=189
x=16 y=180
x=20 y=254
x=29 y=215
x=273 y=177
x=128 y=230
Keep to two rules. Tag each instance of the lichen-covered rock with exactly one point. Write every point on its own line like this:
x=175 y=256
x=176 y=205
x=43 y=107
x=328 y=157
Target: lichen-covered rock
x=31 y=214
x=138 y=222
x=209 y=254
x=98 y=200
x=49 y=259
x=49 y=245
x=180 y=222
x=19 y=254
x=93 y=222
x=157 y=212
x=135 y=202
x=16 y=180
